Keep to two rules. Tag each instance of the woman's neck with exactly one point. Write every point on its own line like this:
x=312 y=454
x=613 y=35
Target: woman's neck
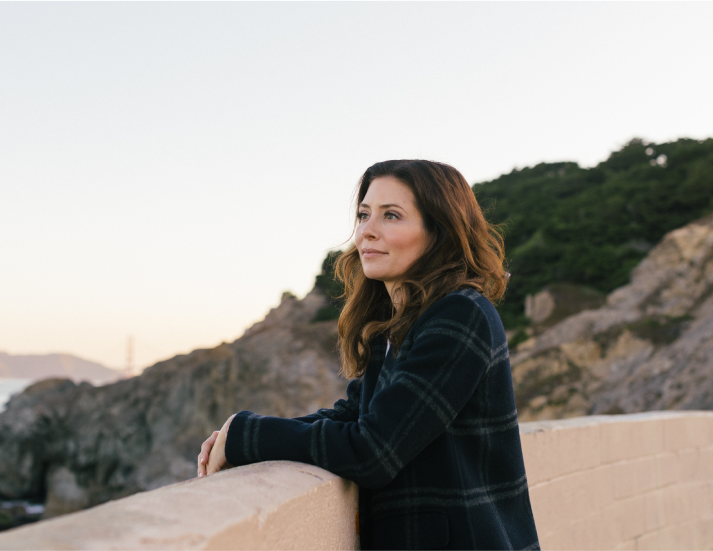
x=394 y=293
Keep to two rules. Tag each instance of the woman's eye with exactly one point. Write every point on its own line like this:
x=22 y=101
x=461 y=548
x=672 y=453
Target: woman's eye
x=362 y=216
x=391 y=216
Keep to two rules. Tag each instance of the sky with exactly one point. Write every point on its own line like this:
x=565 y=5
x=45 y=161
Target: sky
x=168 y=170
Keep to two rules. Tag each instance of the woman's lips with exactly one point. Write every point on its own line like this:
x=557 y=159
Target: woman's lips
x=371 y=253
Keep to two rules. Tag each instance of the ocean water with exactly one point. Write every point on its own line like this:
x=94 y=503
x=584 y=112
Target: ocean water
x=19 y=512
x=8 y=387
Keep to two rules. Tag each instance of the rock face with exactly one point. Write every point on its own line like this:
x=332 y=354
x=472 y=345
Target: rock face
x=558 y=301
x=77 y=445
x=650 y=347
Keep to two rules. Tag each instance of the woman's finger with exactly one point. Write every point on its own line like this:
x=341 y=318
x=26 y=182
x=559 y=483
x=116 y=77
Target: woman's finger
x=198 y=472
x=216 y=461
x=205 y=450
x=206 y=447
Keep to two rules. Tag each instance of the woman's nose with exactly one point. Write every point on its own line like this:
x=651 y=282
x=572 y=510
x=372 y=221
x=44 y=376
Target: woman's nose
x=367 y=230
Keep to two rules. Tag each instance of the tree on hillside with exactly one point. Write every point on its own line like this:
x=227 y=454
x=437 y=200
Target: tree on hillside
x=330 y=286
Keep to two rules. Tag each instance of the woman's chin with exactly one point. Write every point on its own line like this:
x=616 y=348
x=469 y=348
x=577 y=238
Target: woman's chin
x=377 y=275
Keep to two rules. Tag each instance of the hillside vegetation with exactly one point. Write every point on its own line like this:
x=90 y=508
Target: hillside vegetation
x=586 y=226
x=564 y=223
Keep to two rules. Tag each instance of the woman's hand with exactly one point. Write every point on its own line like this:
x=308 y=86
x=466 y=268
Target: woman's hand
x=206 y=448
x=212 y=456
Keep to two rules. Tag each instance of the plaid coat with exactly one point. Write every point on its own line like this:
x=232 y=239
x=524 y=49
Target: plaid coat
x=430 y=436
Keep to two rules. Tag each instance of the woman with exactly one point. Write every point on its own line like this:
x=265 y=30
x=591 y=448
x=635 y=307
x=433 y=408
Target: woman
x=429 y=428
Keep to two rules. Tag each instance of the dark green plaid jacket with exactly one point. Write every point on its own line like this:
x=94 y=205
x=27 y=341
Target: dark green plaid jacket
x=429 y=435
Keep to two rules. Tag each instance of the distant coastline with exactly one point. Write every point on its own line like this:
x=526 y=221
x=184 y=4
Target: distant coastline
x=17 y=372
x=44 y=366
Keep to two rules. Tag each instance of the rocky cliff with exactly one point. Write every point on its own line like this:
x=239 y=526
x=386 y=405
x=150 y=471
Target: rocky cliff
x=649 y=347
x=77 y=445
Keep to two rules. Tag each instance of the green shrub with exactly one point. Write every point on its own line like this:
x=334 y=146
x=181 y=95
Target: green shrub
x=328 y=284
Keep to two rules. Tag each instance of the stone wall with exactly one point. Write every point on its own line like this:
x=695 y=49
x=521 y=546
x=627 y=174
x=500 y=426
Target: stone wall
x=642 y=481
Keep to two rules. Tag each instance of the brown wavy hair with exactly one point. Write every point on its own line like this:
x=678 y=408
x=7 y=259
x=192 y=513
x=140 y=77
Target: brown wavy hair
x=464 y=251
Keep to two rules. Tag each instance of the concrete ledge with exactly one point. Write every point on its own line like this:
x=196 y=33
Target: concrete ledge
x=642 y=481
x=271 y=505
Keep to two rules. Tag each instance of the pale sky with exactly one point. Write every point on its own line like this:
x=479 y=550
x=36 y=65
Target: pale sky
x=167 y=170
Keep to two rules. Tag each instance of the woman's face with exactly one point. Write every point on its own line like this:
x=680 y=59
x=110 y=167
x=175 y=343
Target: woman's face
x=390 y=236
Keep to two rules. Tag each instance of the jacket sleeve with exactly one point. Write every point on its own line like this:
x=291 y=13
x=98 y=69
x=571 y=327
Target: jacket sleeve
x=450 y=353
x=343 y=410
